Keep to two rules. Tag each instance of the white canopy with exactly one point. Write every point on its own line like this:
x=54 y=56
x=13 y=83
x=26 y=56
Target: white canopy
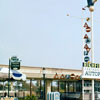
x=15 y=74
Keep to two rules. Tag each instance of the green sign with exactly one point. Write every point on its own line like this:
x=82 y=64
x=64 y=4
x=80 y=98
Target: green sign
x=93 y=65
x=14 y=63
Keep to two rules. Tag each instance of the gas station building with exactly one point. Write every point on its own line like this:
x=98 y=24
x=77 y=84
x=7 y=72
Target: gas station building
x=66 y=81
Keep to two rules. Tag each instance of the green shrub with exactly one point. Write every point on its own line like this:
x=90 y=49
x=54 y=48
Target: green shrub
x=30 y=97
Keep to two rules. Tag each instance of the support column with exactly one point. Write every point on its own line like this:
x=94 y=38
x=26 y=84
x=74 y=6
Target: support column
x=93 y=90
x=82 y=89
x=30 y=87
x=92 y=53
x=48 y=87
x=3 y=87
x=58 y=86
x=40 y=89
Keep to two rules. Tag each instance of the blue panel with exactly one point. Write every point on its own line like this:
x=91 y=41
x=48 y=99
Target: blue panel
x=48 y=96
x=53 y=96
x=90 y=3
x=17 y=74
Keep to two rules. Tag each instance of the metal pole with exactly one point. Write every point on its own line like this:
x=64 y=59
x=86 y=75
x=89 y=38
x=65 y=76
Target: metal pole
x=44 y=85
x=40 y=88
x=58 y=86
x=83 y=60
x=9 y=78
x=30 y=87
x=3 y=87
x=93 y=97
x=82 y=89
x=92 y=53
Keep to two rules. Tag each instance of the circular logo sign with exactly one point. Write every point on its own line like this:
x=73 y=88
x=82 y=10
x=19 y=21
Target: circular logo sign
x=87 y=41
x=86 y=59
x=88 y=29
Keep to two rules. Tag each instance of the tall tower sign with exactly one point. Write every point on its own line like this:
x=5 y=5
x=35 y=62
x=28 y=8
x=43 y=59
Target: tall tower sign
x=90 y=70
x=88 y=61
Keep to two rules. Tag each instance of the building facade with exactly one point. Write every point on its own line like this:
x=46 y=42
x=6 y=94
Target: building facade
x=66 y=81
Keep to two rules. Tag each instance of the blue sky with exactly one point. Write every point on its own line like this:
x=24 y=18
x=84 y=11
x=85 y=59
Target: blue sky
x=40 y=33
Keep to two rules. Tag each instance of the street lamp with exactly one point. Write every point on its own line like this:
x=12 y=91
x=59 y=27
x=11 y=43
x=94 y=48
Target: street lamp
x=44 y=72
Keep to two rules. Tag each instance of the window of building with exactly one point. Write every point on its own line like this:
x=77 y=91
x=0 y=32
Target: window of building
x=35 y=87
x=62 y=86
x=67 y=87
x=79 y=86
x=54 y=85
x=71 y=87
x=97 y=86
x=87 y=83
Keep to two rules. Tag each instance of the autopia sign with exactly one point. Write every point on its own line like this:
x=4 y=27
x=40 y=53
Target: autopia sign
x=91 y=70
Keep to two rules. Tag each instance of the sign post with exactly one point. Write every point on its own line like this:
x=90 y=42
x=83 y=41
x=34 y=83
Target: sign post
x=9 y=78
x=14 y=63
